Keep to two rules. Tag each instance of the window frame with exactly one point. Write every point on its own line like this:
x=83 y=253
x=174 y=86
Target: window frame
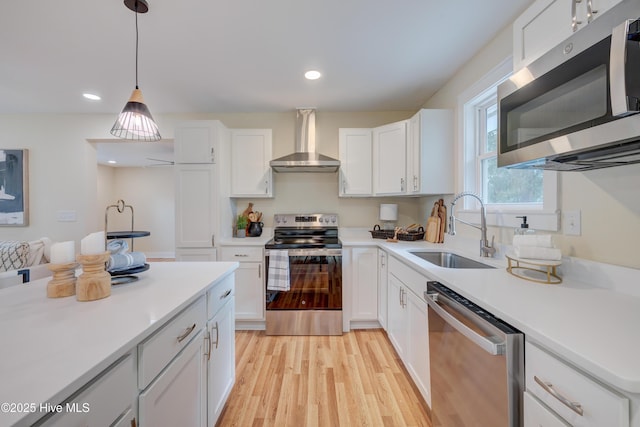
x=540 y=217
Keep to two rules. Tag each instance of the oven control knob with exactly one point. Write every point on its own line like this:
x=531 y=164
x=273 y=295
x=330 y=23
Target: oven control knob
x=333 y=219
x=277 y=219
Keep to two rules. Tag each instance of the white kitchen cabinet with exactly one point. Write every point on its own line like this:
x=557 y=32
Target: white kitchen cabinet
x=177 y=397
x=196 y=142
x=389 y=159
x=251 y=152
x=430 y=162
x=407 y=324
x=196 y=205
x=568 y=393
x=547 y=23
x=356 y=162
x=538 y=415
x=364 y=284
x=220 y=358
x=249 y=288
x=383 y=287
x=202 y=211
x=108 y=399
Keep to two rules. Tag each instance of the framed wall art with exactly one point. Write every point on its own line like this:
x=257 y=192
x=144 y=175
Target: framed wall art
x=14 y=187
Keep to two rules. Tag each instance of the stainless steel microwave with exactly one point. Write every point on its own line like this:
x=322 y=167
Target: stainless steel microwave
x=576 y=107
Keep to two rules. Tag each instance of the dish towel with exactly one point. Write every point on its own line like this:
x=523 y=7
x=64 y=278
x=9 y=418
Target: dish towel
x=278 y=275
x=119 y=262
x=117 y=246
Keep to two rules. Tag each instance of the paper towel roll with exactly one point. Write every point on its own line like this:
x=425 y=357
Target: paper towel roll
x=539 y=240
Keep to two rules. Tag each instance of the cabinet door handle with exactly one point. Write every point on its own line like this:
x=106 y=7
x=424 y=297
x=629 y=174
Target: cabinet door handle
x=241 y=255
x=217 y=334
x=207 y=337
x=574 y=15
x=344 y=186
x=226 y=294
x=590 y=10
x=213 y=240
x=401 y=184
x=186 y=332
x=213 y=155
x=259 y=271
x=548 y=387
x=415 y=183
x=266 y=187
x=381 y=260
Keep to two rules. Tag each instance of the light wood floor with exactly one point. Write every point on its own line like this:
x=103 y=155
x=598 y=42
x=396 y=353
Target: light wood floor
x=352 y=380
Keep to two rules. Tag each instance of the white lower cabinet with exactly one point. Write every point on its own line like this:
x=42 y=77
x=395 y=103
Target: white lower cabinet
x=364 y=284
x=199 y=255
x=221 y=371
x=557 y=393
x=407 y=325
x=109 y=399
x=177 y=397
x=249 y=286
x=383 y=291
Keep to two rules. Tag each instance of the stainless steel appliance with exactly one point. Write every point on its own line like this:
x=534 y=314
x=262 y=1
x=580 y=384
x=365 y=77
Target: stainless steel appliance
x=576 y=107
x=313 y=304
x=477 y=363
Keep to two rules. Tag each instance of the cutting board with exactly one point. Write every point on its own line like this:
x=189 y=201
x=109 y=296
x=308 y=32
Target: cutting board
x=442 y=215
x=432 y=230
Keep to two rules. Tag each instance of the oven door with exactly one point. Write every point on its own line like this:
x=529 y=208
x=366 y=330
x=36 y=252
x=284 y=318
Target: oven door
x=315 y=277
x=549 y=113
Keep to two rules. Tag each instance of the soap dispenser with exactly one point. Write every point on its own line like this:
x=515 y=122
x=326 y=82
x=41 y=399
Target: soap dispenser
x=524 y=227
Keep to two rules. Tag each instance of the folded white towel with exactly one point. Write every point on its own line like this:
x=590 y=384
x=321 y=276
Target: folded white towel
x=278 y=275
x=540 y=240
x=117 y=246
x=119 y=262
x=537 y=252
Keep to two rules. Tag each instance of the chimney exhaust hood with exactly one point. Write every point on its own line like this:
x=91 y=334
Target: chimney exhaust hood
x=305 y=158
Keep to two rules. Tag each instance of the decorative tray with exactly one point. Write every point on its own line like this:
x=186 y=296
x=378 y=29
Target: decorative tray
x=535 y=270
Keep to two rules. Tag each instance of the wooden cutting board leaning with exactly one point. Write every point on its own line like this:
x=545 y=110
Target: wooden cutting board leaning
x=436 y=223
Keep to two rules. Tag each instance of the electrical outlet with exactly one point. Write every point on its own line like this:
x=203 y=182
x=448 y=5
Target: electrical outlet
x=571 y=224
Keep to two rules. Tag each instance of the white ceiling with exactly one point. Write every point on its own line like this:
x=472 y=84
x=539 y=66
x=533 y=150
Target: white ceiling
x=239 y=56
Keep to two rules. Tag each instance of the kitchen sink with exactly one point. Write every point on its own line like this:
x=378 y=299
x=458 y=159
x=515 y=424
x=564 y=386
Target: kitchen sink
x=449 y=260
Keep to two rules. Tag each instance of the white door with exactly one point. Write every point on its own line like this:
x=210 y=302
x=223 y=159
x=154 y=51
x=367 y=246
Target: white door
x=382 y=288
x=364 y=275
x=249 y=297
x=389 y=159
x=250 y=155
x=177 y=397
x=194 y=142
x=221 y=363
x=356 y=151
x=417 y=360
x=196 y=205
x=396 y=323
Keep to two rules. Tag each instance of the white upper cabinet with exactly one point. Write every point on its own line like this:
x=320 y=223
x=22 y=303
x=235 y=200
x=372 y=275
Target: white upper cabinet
x=195 y=141
x=389 y=159
x=430 y=152
x=356 y=158
x=251 y=152
x=546 y=23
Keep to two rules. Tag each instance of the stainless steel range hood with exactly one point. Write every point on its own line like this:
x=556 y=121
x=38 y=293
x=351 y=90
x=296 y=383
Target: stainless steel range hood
x=305 y=158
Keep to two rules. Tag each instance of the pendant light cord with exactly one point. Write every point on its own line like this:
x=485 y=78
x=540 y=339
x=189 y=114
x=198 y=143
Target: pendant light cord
x=136 y=13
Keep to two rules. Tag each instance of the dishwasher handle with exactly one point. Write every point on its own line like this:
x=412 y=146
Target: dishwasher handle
x=489 y=346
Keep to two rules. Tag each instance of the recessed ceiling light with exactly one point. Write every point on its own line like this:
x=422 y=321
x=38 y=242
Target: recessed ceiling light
x=312 y=75
x=113 y=162
x=91 y=96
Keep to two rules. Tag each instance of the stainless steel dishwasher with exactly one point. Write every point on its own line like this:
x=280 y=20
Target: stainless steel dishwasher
x=477 y=363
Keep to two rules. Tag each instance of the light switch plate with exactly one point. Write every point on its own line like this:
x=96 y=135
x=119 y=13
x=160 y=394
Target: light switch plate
x=571 y=223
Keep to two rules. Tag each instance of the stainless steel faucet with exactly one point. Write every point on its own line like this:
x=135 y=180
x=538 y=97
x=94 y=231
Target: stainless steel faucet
x=486 y=249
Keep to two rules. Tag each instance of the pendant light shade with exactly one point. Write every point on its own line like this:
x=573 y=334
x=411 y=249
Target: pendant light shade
x=135 y=121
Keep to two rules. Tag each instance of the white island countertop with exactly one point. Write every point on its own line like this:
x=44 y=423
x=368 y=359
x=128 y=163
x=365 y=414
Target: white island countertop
x=51 y=347
x=591 y=319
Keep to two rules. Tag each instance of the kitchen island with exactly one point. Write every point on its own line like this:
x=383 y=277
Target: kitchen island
x=53 y=347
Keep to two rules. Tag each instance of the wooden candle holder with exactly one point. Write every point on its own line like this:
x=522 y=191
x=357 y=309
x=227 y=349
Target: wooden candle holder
x=94 y=282
x=63 y=283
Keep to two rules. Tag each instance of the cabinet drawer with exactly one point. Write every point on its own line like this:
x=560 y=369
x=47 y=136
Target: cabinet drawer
x=103 y=400
x=408 y=276
x=158 y=350
x=219 y=294
x=561 y=388
x=538 y=415
x=241 y=253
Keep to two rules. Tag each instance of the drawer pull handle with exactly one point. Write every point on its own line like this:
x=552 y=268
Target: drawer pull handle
x=548 y=387
x=208 y=338
x=226 y=294
x=186 y=332
x=241 y=255
x=217 y=334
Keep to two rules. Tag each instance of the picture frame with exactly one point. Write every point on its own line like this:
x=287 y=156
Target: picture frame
x=14 y=187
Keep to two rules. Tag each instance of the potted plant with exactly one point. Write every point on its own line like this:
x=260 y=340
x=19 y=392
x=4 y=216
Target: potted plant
x=241 y=226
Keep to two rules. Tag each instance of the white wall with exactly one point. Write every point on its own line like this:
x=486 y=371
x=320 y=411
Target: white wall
x=609 y=199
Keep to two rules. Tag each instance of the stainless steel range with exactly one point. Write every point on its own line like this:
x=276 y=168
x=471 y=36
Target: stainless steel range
x=304 y=276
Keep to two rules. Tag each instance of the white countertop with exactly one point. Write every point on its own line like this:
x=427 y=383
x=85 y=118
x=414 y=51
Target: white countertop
x=51 y=347
x=596 y=328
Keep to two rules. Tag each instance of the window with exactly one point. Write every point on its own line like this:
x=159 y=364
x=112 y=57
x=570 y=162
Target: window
x=506 y=193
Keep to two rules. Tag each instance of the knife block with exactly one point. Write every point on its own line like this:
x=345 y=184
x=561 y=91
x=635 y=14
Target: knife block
x=63 y=283
x=94 y=282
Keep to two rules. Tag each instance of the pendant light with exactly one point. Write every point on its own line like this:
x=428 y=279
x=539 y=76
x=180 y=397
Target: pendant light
x=135 y=121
